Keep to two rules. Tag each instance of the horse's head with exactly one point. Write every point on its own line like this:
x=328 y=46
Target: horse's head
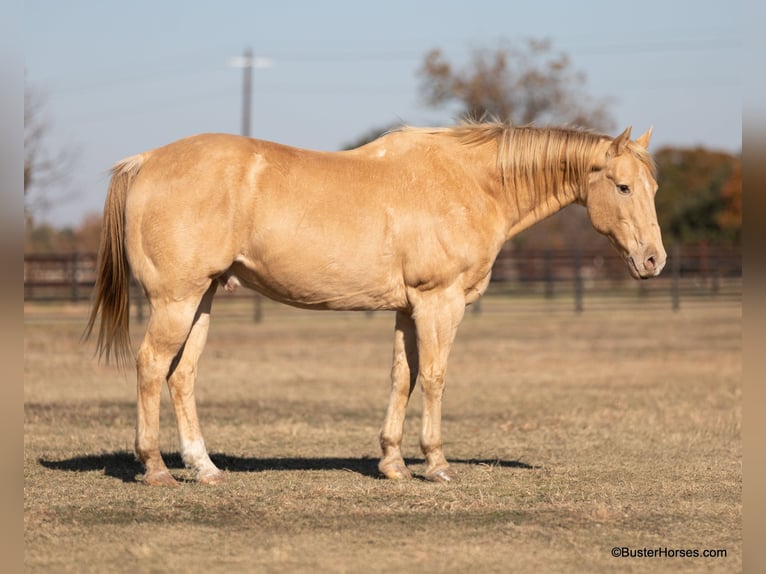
x=620 y=203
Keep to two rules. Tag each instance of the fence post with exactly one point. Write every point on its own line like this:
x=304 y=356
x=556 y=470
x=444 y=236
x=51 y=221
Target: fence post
x=73 y=277
x=578 y=280
x=548 y=274
x=675 y=285
x=258 y=308
x=715 y=286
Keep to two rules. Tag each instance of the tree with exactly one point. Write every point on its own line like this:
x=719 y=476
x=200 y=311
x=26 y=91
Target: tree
x=519 y=85
x=700 y=196
x=43 y=168
x=85 y=238
x=729 y=218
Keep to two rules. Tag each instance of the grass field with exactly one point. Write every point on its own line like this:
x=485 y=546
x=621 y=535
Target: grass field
x=572 y=434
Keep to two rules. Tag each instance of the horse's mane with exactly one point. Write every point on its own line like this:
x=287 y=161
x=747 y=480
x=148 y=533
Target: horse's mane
x=532 y=158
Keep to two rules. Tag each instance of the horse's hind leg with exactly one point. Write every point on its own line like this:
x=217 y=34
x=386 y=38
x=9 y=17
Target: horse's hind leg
x=403 y=376
x=169 y=326
x=181 y=385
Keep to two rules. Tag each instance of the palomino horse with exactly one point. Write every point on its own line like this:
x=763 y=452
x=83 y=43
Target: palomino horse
x=411 y=222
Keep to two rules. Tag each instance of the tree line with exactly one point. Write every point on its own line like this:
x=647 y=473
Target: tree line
x=700 y=197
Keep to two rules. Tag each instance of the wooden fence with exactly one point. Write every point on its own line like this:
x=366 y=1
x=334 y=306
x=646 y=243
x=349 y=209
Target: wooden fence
x=573 y=277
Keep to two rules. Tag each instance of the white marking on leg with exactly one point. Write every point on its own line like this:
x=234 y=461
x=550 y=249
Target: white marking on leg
x=195 y=456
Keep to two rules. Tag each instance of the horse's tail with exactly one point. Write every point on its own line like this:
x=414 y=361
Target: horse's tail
x=111 y=295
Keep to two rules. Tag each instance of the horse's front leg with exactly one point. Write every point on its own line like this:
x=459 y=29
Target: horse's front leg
x=437 y=316
x=403 y=377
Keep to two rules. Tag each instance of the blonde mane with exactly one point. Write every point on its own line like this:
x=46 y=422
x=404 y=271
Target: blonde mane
x=533 y=159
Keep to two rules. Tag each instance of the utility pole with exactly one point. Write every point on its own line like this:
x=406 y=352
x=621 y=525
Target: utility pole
x=247 y=62
x=247 y=90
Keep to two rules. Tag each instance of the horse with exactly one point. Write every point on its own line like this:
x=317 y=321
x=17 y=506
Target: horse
x=411 y=223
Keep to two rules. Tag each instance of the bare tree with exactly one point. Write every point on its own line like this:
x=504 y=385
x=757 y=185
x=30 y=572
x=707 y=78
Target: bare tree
x=521 y=85
x=43 y=169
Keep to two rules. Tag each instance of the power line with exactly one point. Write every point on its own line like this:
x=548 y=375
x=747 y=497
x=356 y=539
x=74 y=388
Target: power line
x=392 y=56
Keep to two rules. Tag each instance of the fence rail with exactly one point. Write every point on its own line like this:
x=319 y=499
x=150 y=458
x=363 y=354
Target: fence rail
x=575 y=277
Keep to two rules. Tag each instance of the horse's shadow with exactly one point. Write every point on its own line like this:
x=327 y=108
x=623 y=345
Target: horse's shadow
x=124 y=466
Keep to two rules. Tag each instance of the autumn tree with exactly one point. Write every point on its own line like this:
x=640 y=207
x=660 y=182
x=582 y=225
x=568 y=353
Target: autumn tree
x=84 y=238
x=729 y=218
x=522 y=84
x=700 y=196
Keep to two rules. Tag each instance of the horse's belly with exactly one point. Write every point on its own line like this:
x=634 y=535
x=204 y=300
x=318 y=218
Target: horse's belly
x=319 y=285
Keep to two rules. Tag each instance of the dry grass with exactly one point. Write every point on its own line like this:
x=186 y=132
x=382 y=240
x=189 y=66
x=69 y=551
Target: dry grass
x=571 y=435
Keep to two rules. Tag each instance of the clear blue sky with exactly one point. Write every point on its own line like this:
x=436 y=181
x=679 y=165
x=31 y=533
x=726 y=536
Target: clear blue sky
x=123 y=77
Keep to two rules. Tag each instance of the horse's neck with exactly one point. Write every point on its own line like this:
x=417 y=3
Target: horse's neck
x=523 y=202
x=525 y=209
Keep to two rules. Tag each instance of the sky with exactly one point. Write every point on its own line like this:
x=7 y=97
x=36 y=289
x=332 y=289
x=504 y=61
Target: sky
x=120 y=78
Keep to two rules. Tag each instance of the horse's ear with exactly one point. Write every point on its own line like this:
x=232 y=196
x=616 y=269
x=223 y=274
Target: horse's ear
x=643 y=140
x=619 y=143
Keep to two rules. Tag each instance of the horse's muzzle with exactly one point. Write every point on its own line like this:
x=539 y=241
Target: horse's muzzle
x=648 y=263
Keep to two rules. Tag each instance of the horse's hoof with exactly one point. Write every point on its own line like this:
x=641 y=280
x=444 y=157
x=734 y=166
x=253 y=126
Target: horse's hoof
x=159 y=478
x=441 y=475
x=211 y=478
x=396 y=472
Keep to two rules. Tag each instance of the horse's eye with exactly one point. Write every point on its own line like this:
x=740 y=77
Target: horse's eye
x=624 y=189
